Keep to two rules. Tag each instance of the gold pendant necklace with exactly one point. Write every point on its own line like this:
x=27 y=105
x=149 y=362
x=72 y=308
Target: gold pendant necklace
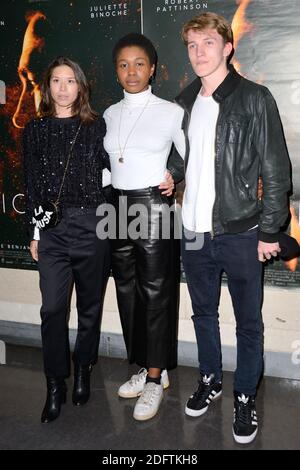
x=122 y=150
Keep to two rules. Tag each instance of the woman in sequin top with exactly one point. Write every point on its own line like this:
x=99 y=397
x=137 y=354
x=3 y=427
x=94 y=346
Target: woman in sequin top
x=69 y=253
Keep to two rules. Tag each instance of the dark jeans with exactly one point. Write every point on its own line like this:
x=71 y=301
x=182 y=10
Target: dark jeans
x=236 y=254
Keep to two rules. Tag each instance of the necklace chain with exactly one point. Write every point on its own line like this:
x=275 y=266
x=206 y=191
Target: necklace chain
x=122 y=150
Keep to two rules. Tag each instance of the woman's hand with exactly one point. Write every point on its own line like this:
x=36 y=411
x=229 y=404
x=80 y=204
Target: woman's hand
x=34 y=249
x=168 y=184
x=260 y=189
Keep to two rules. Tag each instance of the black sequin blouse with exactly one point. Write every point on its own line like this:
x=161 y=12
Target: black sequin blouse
x=46 y=145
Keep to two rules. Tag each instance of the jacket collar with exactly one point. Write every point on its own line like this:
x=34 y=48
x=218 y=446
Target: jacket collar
x=187 y=97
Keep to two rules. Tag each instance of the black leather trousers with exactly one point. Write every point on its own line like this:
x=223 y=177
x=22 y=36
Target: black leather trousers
x=146 y=273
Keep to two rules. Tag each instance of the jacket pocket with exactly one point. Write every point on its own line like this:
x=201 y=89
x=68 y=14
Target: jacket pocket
x=236 y=129
x=247 y=190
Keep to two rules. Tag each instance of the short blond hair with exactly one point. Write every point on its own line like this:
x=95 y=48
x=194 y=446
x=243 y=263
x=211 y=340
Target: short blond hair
x=208 y=21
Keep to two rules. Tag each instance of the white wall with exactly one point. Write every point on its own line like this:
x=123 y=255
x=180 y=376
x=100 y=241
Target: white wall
x=20 y=302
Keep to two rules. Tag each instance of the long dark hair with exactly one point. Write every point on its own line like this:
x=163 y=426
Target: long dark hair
x=81 y=106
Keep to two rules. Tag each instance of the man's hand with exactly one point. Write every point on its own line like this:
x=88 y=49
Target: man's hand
x=168 y=185
x=267 y=250
x=34 y=249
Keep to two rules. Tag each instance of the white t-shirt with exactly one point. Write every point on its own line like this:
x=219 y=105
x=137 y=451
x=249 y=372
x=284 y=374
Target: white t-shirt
x=199 y=195
x=141 y=128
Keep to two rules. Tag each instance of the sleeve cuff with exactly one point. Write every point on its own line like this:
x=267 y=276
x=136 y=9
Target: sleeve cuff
x=36 y=234
x=268 y=237
x=106 y=177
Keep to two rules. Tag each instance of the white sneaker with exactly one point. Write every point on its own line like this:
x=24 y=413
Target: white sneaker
x=147 y=405
x=135 y=385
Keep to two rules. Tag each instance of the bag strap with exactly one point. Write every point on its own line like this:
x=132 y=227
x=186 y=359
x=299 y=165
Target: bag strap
x=67 y=165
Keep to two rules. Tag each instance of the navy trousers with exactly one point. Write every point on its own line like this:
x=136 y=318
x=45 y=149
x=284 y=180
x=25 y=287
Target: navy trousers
x=236 y=254
x=71 y=253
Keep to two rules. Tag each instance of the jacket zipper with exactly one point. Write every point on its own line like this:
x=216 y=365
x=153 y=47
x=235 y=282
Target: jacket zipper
x=212 y=233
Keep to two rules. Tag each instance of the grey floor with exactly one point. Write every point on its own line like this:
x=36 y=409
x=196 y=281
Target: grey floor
x=106 y=421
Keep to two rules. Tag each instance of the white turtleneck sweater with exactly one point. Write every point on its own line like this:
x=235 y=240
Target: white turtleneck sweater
x=150 y=125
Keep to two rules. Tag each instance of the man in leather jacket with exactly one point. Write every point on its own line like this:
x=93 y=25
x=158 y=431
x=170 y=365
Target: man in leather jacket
x=233 y=136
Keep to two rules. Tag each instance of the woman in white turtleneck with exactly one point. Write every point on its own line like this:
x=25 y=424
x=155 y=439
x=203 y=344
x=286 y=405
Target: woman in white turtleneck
x=141 y=129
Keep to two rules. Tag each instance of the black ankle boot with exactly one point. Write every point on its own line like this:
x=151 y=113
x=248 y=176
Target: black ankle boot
x=56 y=396
x=81 y=390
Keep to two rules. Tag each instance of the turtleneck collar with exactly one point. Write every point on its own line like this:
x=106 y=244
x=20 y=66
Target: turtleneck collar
x=137 y=99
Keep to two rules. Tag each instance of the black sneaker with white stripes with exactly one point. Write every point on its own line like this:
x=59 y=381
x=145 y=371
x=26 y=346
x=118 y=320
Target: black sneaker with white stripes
x=245 y=423
x=208 y=390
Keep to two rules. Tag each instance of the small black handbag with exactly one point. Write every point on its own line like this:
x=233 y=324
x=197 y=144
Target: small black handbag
x=47 y=214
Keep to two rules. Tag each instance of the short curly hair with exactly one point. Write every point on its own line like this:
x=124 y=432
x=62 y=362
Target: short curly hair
x=135 y=40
